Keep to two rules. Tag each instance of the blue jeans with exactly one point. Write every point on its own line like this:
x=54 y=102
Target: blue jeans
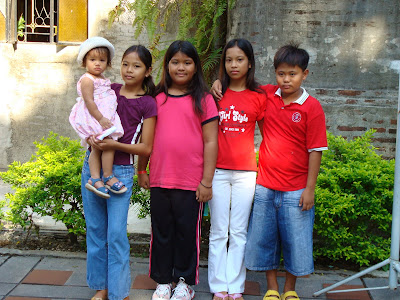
x=278 y=223
x=107 y=242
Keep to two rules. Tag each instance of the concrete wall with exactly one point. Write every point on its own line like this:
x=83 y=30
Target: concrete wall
x=351 y=44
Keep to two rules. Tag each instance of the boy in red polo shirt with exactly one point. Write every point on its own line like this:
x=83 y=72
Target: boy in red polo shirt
x=294 y=136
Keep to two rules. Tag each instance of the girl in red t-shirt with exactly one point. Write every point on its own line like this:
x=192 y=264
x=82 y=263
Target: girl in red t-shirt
x=242 y=105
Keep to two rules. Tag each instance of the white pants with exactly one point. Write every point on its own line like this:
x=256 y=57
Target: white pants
x=230 y=207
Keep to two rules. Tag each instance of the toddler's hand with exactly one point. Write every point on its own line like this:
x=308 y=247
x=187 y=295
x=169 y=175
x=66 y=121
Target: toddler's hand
x=105 y=123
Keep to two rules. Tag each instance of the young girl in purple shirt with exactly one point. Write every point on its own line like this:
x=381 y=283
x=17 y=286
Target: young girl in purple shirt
x=108 y=247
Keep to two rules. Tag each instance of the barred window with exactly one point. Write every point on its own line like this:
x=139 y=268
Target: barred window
x=44 y=21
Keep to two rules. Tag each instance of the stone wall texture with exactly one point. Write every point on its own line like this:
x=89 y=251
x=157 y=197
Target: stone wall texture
x=351 y=45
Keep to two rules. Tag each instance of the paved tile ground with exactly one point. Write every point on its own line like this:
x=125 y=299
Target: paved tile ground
x=39 y=275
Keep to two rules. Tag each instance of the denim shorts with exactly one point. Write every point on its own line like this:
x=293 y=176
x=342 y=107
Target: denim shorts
x=277 y=224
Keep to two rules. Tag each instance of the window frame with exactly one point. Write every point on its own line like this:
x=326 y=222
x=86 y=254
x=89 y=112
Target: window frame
x=74 y=15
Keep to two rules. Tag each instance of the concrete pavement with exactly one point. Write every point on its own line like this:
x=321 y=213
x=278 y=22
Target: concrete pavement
x=39 y=275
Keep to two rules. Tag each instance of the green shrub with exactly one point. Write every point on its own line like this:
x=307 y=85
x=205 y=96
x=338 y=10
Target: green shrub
x=48 y=185
x=2 y=216
x=142 y=198
x=353 y=202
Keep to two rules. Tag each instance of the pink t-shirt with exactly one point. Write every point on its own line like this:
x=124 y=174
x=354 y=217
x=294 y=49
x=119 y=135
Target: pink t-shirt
x=178 y=151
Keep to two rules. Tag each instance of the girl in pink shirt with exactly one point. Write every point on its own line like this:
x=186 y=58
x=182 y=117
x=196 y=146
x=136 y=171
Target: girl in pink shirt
x=181 y=171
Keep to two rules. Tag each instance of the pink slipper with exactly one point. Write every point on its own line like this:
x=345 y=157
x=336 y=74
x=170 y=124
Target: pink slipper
x=236 y=296
x=220 y=295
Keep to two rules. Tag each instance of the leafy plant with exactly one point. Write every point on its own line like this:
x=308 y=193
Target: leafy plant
x=2 y=216
x=141 y=197
x=21 y=26
x=48 y=185
x=203 y=23
x=353 y=202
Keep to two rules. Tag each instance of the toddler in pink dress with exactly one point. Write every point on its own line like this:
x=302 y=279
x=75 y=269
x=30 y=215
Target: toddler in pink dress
x=96 y=112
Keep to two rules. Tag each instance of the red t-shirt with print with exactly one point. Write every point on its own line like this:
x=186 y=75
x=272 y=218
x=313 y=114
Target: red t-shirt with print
x=238 y=114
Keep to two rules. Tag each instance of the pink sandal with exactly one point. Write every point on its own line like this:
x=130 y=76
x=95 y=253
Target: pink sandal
x=220 y=295
x=236 y=296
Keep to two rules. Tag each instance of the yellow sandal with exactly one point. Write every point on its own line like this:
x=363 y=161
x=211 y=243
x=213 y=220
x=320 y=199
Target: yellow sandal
x=272 y=295
x=292 y=294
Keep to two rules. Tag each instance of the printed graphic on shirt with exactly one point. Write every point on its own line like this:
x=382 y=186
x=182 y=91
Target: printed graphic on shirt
x=232 y=122
x=296 y=117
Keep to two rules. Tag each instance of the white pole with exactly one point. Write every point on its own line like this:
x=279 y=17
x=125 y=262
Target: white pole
x=395 y=243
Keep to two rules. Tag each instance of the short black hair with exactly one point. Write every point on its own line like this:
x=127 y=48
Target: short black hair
x=292 y=55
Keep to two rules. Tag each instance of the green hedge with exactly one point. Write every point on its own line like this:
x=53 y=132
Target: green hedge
x=353 y=202
x=49 y=184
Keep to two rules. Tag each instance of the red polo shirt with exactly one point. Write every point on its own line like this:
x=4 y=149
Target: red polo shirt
x=291 y=132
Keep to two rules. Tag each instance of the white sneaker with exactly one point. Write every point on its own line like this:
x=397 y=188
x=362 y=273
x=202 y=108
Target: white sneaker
x=162 y=292
x=182 y=291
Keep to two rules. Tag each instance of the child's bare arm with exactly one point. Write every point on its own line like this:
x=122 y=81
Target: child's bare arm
x=143 y=178
x=314 y=163
x=143 y=148
x=216 y=90
x=87 y=88
x=210 y=138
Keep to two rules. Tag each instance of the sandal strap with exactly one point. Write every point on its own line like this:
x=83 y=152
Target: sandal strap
x=220 y=295
x=235 y=296
x=290 y=294
x=272 y=295
x=105 y=179
x=94 y=180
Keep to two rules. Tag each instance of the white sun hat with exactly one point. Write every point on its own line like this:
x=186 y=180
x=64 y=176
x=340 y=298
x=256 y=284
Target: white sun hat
x=92 y=43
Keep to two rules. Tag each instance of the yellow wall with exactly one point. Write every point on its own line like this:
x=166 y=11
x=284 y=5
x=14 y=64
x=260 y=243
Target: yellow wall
x=2 y=27
x=73 y=21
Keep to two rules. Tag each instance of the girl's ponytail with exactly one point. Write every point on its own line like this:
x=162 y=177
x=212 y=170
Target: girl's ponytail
x=148 y=86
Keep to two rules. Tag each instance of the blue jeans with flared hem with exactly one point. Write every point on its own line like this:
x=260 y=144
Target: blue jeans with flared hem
x=107 y=242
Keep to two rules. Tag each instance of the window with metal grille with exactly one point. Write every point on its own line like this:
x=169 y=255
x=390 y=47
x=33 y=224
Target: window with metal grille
x=44 y=21
x=37 y=20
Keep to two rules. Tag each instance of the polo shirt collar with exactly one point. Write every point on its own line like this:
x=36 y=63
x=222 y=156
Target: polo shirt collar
x=301 y=99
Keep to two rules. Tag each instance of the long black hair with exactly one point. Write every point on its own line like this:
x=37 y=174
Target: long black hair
x=247 y=48
x=197 y=87
x=145 y=56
